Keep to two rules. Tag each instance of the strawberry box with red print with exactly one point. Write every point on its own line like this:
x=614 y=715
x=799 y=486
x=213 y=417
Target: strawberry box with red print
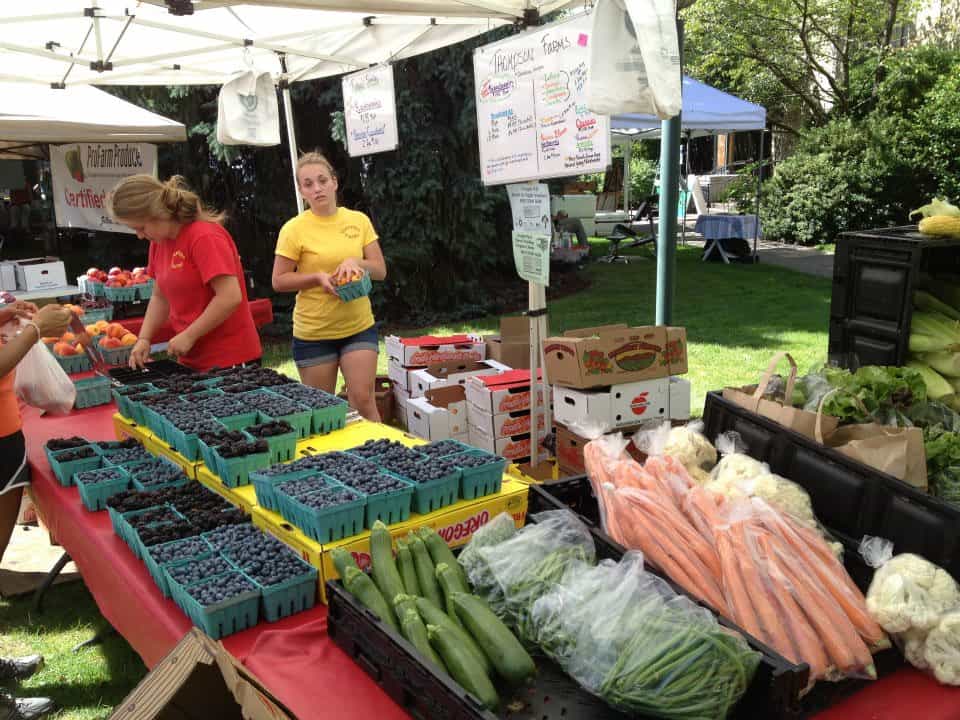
x=614 y=355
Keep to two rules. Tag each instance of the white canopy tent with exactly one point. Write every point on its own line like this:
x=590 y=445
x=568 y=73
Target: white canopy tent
x=33 y=115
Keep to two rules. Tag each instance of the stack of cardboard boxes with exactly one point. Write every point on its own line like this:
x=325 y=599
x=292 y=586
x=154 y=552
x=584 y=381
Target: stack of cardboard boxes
x=498 y=413
x=614 y=378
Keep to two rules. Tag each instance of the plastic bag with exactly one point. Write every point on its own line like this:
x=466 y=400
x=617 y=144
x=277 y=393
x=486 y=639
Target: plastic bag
x=42 y=383
x=516 y=572
x=686 y=443
x=498 y=530
x=919 y=604
x=626 y=636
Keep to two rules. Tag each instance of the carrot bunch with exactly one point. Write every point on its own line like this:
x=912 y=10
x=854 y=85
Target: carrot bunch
x=772 y=575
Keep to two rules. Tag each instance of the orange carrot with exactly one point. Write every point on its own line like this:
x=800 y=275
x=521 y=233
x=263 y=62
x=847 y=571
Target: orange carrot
x=809 y=646
x=844 y=646
x=738 y=599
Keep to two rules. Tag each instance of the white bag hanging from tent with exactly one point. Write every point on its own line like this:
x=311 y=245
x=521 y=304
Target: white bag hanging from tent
x=247 y=112
x=635 y=58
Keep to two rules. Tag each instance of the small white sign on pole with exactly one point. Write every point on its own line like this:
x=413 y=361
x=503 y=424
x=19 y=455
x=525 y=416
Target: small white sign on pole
x=370 y=111
x=83 y=174
x=531 y=255
x=530 y=205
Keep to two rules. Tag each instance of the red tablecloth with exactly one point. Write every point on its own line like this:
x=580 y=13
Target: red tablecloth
x=295 y=657
x=262 y=311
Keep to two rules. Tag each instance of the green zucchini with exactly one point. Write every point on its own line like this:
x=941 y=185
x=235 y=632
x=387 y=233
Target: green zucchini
x=382 y=566
x=425 y=571
x=365 y=590
x=404 y=602
x=415 y=631
x=462 y=666
x=512 y=662
x=449 y=582
x=342 y=559
x=432 y=615
x=441 y=552
x=408 y=573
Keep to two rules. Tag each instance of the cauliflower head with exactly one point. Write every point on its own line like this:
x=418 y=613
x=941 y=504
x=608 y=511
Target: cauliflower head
x=690 y=448
x=736 y=467
x=914 y=644
x=910 y=592
x=942 y=649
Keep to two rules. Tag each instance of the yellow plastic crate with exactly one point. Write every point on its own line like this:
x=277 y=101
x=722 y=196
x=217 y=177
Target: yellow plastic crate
x=454 y=523
x=126 y=428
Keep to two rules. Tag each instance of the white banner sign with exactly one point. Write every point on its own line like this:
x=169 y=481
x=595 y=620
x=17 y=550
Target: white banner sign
x=83 y=174
x=532 y=116
x=530 y=205
x=370 y=111
x=531 y=255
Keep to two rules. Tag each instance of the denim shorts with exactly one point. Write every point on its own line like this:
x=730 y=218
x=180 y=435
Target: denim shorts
x=321 y=352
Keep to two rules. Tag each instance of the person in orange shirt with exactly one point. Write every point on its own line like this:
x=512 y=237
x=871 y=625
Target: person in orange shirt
x=50 y=321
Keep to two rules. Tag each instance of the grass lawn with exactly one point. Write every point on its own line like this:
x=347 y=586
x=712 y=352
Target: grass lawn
x=736 y=316
x=87 y=684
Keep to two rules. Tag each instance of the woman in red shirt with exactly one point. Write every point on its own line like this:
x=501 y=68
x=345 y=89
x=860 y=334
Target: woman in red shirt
x=200 y=286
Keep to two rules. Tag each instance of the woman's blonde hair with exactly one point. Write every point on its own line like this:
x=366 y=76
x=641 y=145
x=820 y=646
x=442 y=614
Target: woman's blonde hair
x=315 y=158
x=141 y=197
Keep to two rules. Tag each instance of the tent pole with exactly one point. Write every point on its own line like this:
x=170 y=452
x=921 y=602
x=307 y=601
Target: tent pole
x=627 y=152
x=291 y=132
x=667 y=229
x=756 y=228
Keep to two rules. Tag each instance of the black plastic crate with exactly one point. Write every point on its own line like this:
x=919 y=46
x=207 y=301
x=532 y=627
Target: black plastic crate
x=875 y=273
x=775 y=692
x=427 y=694
x=851 y=499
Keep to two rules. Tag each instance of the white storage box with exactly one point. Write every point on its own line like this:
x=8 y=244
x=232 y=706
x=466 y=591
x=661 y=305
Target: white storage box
x=615 y=407
x=454 y=373
x=46 y=273
x=399 y=374
x=440 y=415
x=402 y=398
x=432 y=350
x=505 y=393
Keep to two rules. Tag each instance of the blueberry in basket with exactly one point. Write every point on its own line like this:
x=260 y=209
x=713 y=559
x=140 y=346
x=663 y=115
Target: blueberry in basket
x=232 y=535
x=66 y=443
x=302 y=486
x=165 y=532
x=313 y=398
x=127 y=390
x=195 y=422
x=274 y=406
x=329 y=498
x=197 y=570
x=92 y=477
x=440 y=448
x=221 y=588
x=187 y=548
x=71 y=454
x=258 y=548
x=477 y=460
x=156 y=472
x=373 y=448
x=430 y=470
x=274 y=568
x=223 y=405
x=128 y=455
x=372 y=483
x=238 y=387
x=271 y=429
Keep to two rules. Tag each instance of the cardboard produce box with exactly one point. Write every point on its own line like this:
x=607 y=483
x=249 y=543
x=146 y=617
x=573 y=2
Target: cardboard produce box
x=401 y=405
x=399 y=374
x=615 y=354
x=505 y=425
x=199 y=680
x=570 y=450
x=512 y=345
x=514 y=448
x=439 y=415
x=505 y=393
x=431 y=350
x=625 y=405
x=453 y=373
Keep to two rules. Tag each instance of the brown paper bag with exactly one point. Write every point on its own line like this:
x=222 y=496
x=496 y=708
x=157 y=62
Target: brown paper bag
x=896 y=451
x=799 y=420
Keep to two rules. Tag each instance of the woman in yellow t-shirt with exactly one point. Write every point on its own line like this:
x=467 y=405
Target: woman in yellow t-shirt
x=316 y=249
